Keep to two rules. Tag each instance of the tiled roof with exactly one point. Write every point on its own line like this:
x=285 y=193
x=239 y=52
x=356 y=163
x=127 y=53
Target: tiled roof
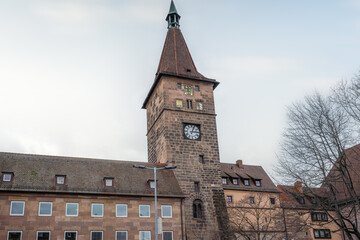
x=176 y=61
x=290 y=197
x=247 y=172
x=83 y=175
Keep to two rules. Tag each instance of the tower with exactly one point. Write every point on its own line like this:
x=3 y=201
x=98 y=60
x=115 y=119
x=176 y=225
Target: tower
x=181 y=130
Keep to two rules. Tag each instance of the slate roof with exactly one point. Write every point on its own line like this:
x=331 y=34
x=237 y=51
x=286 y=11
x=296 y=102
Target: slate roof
x=83 y=176
x=247 y=172
x=176 y=61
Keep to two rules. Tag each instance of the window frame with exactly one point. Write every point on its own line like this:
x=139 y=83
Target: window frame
x=116 y=210
x=23 y=208
x=162 y=212
x=76 y=232
x=224 y=180
x=252 y=200
x=45 y=215
x=77 y=212
x=56 y=180
x=151 y=182
x=229 y=197
x=144 y=231
x=319 y=233
x=246 y=181
x=237 y=181
x=201 y=159
x=324 y=217
x=7 y=174
x=116 y=232
x=108 y=179
x=102 y=235
x=257 y=182
x=37 y=234
x=102 y=209
x=196 y=186
x=179 y=103
x=272 y=200
x=144 y=205
x=8 y=233
x=172 y=234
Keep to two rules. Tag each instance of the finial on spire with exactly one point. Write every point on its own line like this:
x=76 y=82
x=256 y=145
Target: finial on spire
x=173 y=17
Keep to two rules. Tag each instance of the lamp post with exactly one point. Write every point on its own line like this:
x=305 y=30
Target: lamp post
x=155 y=191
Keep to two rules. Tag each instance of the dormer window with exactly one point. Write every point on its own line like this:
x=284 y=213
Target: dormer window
x=235 y=181
x=224 y=180
x=60 y=179
x=7 y=177
x=258 y=183
x=108 y=182
x=151 y=183
x=246 y=182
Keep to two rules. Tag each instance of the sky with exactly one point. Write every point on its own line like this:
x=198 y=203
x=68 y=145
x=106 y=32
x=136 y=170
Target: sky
x=74 y=74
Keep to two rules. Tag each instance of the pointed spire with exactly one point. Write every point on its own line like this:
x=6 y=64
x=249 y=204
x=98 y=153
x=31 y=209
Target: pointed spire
x=173 y=17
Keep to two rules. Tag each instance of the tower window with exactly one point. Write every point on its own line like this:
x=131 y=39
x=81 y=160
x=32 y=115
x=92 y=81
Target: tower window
x=197 y=209
x=179 y=103
x=201 y=159
x=189 y=104
x=199 y=106
x=197 y=88
x=196 y=186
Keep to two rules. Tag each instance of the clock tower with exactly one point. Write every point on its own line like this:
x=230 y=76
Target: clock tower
x=181 y=131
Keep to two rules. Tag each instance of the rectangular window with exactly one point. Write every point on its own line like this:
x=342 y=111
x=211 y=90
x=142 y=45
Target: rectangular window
x=70 y=235
x=224 y=180
x=144 y=211
x=121 y=235
x=60 y=179
x=251 y=200
x=322 y=233
x=197 y=88
x=7 y=177
x=108 y=182
x=14 y=235
x=179 y=85
x=235 y=181
x=301 y=200
x=72 y=209
x=145 y=235
x=196 y=186
x=246 y=182
x=121 y=210
x=229 y=199
x=151 y=183
x=189 y=104
x=179 y=103
x=45 y=208
x=272 y=200
x=319 y=216
x=96 y=235
x=166 y=211
x=40 y=235
x=167 y=235
x=17 y=208
x=97 y=210
x=201 y=159
x=258 y=183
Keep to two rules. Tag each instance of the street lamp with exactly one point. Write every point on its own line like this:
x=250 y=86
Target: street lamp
x=155 y=191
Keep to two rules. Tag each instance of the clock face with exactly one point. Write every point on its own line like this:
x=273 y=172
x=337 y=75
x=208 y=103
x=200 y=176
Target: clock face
x=192 y=131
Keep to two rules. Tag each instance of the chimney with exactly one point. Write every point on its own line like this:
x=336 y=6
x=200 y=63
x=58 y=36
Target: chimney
x=298 y=187
x=239 y=163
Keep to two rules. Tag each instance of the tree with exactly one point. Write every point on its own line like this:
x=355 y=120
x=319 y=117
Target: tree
x=256 y=220
x=315 y=150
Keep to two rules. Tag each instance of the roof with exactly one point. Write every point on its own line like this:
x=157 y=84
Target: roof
x=83 y=175
x=176 y=61
x=290 y=197
x=247 y=172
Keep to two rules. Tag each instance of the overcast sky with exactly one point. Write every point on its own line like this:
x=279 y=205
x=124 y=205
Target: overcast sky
x=74 y=74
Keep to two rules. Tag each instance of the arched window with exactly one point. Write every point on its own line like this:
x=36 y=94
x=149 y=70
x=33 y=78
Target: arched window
x=197 y=209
